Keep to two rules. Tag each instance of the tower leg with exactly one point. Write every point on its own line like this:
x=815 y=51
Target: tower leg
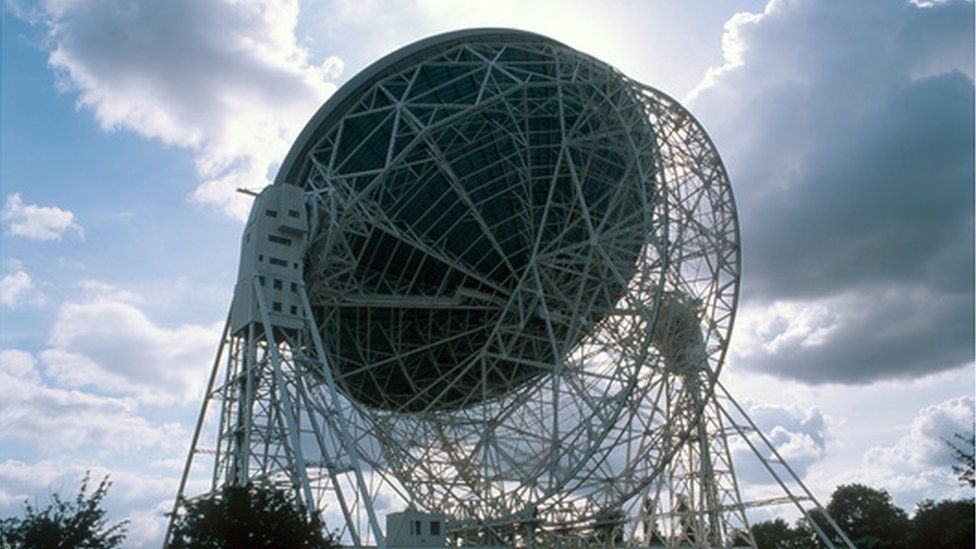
x=697 y=503
x=188 y=464
x=282 y=424
x=796 y=492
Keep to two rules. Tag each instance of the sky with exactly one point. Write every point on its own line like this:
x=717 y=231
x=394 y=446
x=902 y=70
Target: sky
x=846 y=128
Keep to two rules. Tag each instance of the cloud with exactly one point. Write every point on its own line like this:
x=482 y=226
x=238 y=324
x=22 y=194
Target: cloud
x=147 y=527
x=13 y=287
x=19 y=365
x=56 y=419
x=847 y=130
x=925 y=445
x=105 y=341
x=856 y=336
x=142 y=497
x=80 y=431
x=919 y=464
x=38 y=222
x=799 y=435
x=227 y=79
x=96 y=290
x=17 y=288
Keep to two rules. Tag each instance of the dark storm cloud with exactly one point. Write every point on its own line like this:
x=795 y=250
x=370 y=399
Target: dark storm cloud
x=859 y=337
x=848 y=132
x=887 y=199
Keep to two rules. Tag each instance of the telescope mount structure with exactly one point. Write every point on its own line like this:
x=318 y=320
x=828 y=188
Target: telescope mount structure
x=493 y=283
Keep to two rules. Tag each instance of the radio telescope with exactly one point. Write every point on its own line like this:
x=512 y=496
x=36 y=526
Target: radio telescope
x=494 y=282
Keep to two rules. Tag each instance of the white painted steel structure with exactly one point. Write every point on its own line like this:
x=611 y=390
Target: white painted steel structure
x=518 y=275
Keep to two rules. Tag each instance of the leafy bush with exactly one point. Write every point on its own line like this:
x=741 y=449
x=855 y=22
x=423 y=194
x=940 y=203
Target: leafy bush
x=868 y=516
x=248 y=516
x=948 y=523
x=777 y=534
x=65 y=524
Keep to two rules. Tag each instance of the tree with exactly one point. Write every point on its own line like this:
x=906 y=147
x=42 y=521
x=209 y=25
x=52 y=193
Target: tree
x=65 y=524
x=777 y=534
x=948 y=524
x=871 y=520
x=248 y=516
x=965 y=456
x=867 y=516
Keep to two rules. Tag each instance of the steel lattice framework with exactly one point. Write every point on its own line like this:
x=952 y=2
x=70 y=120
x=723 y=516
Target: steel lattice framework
x=519 y=280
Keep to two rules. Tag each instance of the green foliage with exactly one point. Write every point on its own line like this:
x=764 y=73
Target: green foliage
x=777 y=534
x=65 y=524
x=965 y=455
x=871 y=520
x=248 y=516
x=946 y=524
x=868 y=516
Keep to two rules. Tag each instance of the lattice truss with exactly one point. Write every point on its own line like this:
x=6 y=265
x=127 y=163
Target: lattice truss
x=498 y=224
x=520 y=281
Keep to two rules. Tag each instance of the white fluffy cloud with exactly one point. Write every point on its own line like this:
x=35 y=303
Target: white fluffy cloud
x=61 y=420
x=143 y=498
x=38 y=222
x=799 y=435
x=926 y=444
x=17 y=286
x=227 y=79
x=847 y=130
x=19 y=365
x=80 y=431
x=919 y=464
x=14 y=286
x=105 y=341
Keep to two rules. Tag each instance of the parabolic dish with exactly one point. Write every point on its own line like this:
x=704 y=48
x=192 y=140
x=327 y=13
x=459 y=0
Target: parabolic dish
x=519 y=261
x=460 y=192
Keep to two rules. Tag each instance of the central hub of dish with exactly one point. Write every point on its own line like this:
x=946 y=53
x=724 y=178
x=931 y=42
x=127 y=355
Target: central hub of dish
x=476 y=210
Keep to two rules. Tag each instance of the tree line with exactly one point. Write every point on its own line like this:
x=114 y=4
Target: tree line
x=871 y=520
